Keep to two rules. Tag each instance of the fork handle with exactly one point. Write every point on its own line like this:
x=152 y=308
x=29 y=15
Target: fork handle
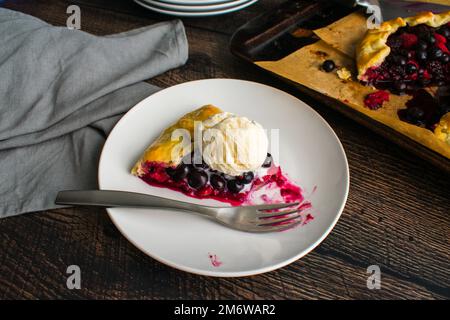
x=112 y=198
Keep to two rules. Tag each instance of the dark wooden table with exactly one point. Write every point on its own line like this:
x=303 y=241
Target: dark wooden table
x=397 y=215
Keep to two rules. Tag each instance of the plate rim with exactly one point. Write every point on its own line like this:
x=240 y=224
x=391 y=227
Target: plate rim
x=232 y=274
x=196 y=14
x=198 y=8
x=194 y=2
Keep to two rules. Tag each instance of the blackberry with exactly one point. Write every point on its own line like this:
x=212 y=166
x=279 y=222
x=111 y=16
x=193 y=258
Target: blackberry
x=445 y=58
x=436 y=53
x=397 y=72
x=422 y=45
x=422 y=55
x=411 y=68
x=436 y=69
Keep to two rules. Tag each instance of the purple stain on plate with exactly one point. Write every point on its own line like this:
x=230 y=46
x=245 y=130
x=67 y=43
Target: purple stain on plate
x=214 y=260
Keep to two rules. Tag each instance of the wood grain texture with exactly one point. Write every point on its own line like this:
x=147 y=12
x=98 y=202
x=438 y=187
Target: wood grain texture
x=397 y=215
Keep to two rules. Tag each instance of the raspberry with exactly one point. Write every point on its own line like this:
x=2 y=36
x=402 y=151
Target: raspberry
x=414 y=63
x=443 y=47
x=205 y=191
x=375 y=100
x=409 y=40
x=441 y=42
x=440 y=38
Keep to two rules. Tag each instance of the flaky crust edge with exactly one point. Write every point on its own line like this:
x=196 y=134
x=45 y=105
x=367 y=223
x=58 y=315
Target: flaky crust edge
x=160 y=149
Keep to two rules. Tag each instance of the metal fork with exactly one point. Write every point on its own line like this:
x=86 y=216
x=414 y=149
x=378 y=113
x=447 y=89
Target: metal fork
x=260 y=218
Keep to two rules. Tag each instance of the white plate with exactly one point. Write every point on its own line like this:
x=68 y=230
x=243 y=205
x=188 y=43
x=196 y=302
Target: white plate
x=195 y=14
x=310 y=153
x=193 y=8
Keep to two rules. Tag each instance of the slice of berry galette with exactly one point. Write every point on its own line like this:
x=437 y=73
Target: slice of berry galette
x=213 y=154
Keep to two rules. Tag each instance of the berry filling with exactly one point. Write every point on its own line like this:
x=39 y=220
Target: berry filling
x=420 y=57
x=200 y=181
x=424 y=110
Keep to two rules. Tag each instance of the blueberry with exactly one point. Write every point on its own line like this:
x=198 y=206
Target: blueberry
x=247 y=177
x=179 y=173
x=328 y=65
x=430 y=39
x=400 y=60
x=268 y=162
x=422 y=45
x=415 y=113
x=234 y=186
x=422 y=55
x=418 y=122
x=445 y=58
x=411 y=68
x=403 y=52
x=400 y=86
x=197 y=179
x=436 y=53
x=170 y=171
x=217 y=182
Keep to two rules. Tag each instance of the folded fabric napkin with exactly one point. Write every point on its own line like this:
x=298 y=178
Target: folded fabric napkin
x=61 y=92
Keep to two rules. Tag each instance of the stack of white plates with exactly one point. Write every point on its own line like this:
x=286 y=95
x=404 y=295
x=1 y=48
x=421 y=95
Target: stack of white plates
x=195 y=8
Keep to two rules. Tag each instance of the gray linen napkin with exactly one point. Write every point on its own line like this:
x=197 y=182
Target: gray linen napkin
x=61 y=92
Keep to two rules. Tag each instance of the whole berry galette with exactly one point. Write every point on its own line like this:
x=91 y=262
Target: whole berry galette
x=397 y=74
x=407 y=53
x=410 y=56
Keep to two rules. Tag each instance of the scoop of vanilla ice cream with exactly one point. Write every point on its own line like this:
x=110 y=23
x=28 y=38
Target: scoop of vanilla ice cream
x=233 y=144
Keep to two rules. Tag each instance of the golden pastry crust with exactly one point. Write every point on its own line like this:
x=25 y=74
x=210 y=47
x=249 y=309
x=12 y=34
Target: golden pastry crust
x=373 y=49
x=442 y=130
x=161 y=149
x=345 y=34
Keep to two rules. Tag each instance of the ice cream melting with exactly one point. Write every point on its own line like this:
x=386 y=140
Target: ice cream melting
x=234 y=145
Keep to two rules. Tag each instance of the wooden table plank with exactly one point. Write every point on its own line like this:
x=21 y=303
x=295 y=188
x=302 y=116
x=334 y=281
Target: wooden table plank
x=397 y=215
x=113 y=268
